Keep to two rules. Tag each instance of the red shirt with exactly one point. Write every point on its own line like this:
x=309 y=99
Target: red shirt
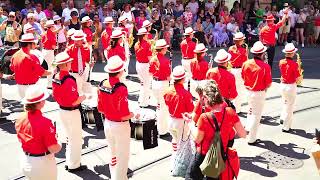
x=125 y=31
x=89 y=34
x=35 y=132
x=160 y=67
x=113 y=106
x=226 y=130
x=150 y=36
x=105 y=37
x=199 y=68
x=72 y=50
x=178 y=100
x=26 y=67
x=289 y=71
x=119 y=51
x=143 y=51
x=49 y=40
x=187 y=46
x=239 y=55
x=267 y=33
x=69 y=87
x=256 y=75
x=225 y=80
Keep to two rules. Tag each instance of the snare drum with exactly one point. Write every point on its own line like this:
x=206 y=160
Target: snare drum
x=91 y=115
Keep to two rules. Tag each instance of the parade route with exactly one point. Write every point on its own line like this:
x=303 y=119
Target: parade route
x=279 y=156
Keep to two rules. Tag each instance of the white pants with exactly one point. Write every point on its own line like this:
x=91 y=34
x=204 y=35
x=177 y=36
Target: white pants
x=289 y=93
x=126 y=68
x=0 y=97
x=145 y=80
x=256 y=100
x=158 y=88
x=39 y=168
x=105 y=52
x=82 y=84
x=23 y=88
x=118 y=137
x=71 y=122
x=48 y=56
x=194 y=84
x=317 y=32
x=187 y=68
x=240 y=89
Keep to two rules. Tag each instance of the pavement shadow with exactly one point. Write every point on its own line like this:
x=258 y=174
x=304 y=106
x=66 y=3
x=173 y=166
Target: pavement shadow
x=287 y=150
x=88 y=174
x=8 y=127
x=248 y=164
x=62 y=153
x=133 y=97
x=105 y=170
x=13 y=106
x=133 y=78
x=268 y=120
x=302 y=133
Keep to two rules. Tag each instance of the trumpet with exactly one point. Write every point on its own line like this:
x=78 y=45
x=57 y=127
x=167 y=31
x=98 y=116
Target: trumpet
x=210 y=61
x=300 y=69
x=131 y=38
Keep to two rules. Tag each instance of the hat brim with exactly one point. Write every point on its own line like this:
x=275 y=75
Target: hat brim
x=270 y=19
x=57 y=19
x=219 y=62
x=237 y=39
x=284 y=51
x=58 y=63
x=175 y=78
x=147 y=25
x=143 y=33
x=166 y=46
x=264 y=50
x=78 y=39
x=108 y=22
x=205 y=50
x=187 y=34
x=33 y=41
x=108 y=71
x=25 y=101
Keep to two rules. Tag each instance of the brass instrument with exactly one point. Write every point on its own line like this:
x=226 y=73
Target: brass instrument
x=156 y=37
x=131 y=39
x=300 y=69
x=210 y=61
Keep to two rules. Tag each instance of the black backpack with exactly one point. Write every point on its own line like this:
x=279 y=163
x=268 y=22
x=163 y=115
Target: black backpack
x=110 y=90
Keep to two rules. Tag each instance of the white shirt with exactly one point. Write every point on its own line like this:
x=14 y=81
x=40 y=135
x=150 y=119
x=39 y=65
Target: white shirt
x=194 y=7
x=40 y=15
x=61 y=36
x=232 y=27
x=66 y=13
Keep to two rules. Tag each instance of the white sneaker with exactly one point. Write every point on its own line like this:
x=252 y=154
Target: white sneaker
x=302 y=45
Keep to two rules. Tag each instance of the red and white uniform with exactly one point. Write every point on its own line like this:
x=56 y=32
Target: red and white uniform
x=160 y=69
x=289 y=70
x=187 y=50
x=105 y=40
x=257 y=78
x=36 y=134
x=143 y=54
x=225 y=81
x=49 y=42
x=115 y=106
x=70 y=117
x=199 y=68
x=27 y=70
x=117 y=50
x=89 y=34
x=268 y=34
x=80 y=66
x=239 y=55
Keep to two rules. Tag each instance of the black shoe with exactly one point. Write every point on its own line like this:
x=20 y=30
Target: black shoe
x=286 y=131
x=255 y=142
x=80 y=168
x=164 y=135
x=49 y=88
x=281 y=121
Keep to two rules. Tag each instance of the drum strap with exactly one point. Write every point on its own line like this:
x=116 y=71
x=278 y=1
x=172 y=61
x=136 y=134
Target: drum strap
x=60 y=82
x=110 y=90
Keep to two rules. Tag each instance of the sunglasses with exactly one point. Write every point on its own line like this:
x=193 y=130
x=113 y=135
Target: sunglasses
x=11 y=16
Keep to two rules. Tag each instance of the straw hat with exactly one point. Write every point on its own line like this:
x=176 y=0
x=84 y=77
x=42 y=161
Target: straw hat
x=108 y=20
x=62 y=58
x=115 y=64
x=222 y=56
x=30 y=15
x=122 y=19
x=35 y=94
x=70 y=32
x=178 y=73
x=116 y=34
x=239 y=36
x=146 y=23
x=142 y=31
x=56 y=18
x=270 y=18
x=28 y=37
x=200 y=48
x=188 y=31
x=78 y=35
x=28 y=27
x=161 y=43
x=290 y=48
x=258 y=48
x=85 y=19
x=49 y=23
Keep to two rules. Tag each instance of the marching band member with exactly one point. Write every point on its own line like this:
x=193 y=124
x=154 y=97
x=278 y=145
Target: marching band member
x=106 y=34
x=80 y=66
x=126 y=44
x=29 y=29
x=49 y=43
x=239 y=54
x=69 y=37
x=85 y=24
x=289 y=70
x=64 y=83
x=224 y=79
x=257 y=79
x=115 y=47
x=179 y=101
x=143 y=55
x=37 y=136
x=113 y=103
x=199 y=68
x=160 y=69
x=187 y=50
x=148 y=25
x=26 y=66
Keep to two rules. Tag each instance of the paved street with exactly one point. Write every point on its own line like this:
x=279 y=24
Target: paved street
x=281 y=156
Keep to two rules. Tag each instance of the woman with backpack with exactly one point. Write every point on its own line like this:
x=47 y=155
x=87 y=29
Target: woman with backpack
x=203 y=133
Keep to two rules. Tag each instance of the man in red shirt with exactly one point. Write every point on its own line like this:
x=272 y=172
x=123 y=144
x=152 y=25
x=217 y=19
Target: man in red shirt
x=80 y=52
x=239 y=55
x=113 y=103
x=224 y=79
x=143 y=55
x=289 y=70
x=64 y=83
x=187 y=47
x=257 y=79
x=106 y=34
x=26 y=66
x=268 y=35
x=160 y=68
x=179 y=101
x=49 y=42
